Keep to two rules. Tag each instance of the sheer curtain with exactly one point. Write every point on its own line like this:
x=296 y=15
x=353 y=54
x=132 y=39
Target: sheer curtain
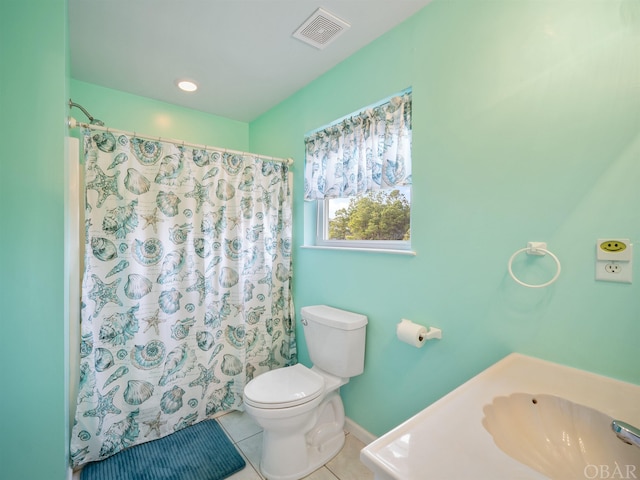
x=367 y=151
x=186 y=289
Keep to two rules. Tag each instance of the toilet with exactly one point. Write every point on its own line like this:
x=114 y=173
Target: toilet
x=299 y=408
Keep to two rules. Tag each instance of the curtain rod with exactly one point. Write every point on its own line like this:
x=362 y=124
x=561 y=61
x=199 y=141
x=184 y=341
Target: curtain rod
x=73 y=123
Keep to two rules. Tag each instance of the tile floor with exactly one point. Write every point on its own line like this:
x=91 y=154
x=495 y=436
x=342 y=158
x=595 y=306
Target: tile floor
x=247 y=436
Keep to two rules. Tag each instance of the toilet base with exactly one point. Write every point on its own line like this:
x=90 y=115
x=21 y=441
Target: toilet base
x=291 y=457
x=316 y=459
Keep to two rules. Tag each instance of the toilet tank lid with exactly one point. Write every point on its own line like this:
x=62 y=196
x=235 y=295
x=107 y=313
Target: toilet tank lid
x=334 y=317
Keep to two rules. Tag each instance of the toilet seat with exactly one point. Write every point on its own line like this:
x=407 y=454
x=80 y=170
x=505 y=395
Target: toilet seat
x=284 y=387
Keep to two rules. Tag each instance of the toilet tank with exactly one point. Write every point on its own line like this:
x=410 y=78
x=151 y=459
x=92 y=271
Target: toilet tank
x=335 y=339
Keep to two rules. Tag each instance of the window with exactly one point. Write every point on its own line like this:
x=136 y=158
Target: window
x=380 y=220
x=358 y=170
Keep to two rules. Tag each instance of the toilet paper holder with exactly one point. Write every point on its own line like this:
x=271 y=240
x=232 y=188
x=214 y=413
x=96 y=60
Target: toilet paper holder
x=415 y=334
x=433 y=332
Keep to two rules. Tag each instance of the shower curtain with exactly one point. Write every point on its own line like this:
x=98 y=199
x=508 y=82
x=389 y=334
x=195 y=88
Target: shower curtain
x=186 y=292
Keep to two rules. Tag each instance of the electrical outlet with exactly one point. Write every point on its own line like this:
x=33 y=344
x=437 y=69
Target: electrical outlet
x=609 y=271
x=614 y=260
x=612 y=268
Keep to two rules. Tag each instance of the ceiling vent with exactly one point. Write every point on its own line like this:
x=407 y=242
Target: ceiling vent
x=320 y=29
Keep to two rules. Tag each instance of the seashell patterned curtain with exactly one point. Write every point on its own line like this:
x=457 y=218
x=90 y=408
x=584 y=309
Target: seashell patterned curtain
x=186 y=293
x=367 y=151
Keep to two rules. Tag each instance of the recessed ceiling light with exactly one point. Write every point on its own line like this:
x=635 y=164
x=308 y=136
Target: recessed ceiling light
x=187 y=86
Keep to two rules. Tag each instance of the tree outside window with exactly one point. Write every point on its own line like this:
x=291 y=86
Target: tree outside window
x=379 y=215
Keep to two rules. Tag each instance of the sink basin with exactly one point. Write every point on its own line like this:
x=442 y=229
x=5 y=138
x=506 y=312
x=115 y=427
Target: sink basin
x=558 y=438
x=489 y=428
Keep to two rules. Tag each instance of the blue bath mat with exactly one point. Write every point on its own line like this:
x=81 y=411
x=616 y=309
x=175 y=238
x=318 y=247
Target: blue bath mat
x=199 y=452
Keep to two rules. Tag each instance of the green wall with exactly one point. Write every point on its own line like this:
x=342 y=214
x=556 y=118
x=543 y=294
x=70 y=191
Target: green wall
x=33 y=85
x=146 y=116
x=526 y=128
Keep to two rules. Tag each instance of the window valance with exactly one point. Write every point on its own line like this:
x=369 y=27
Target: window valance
x=367 y=151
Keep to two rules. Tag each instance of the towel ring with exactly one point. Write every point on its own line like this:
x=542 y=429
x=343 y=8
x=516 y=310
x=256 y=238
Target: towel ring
x=534 y=248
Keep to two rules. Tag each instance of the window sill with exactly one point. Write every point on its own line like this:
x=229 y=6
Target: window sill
x=356 y=249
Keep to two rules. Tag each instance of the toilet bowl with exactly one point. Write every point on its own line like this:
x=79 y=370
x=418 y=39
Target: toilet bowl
x=302 y=419
x=299 y=408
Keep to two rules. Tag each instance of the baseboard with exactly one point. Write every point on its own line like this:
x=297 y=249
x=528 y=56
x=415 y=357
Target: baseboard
x=357 y=431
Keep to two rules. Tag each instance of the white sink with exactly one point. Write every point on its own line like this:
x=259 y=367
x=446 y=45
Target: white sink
x=558 y=438
x=448 y=440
